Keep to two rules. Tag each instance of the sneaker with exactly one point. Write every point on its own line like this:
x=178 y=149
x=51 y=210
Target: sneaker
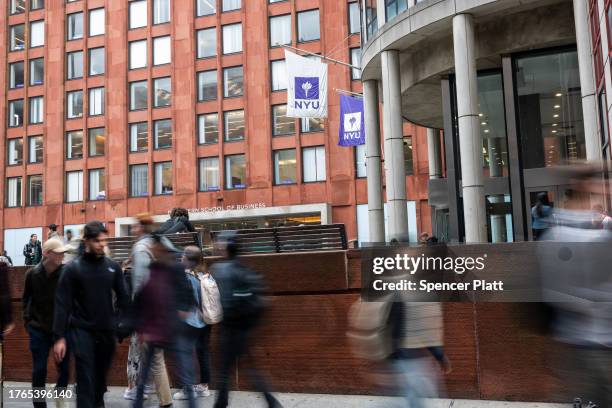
x=130 y=394
x=180 y=395
x=201 y=390
x=150 y=389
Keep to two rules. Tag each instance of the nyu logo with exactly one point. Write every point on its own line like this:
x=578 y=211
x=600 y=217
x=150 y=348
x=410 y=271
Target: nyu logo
x=352 y=122
x=307 y=88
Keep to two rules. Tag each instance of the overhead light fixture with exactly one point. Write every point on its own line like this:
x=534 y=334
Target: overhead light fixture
x=481 y=114
x=558 y=95
x=556 y=115
x=554 y=131
x=483 y=123
x=486 y=131
x=557 y=106
x=554 y=124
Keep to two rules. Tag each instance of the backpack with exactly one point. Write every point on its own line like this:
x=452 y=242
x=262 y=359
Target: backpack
x=371 y=329
x=243 y=302
x=212 y=311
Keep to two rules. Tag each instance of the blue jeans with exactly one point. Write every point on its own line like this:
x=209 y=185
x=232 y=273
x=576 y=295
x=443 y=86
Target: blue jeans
x=418 y=379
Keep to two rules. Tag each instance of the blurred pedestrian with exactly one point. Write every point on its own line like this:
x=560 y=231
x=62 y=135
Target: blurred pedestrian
x=541 y=216
x=32 y=251
x=53 y=232
x=85 y=317
x=6 y=314
x=178 y=223
x=8 y=258
x=601 y=219
x=73 y=244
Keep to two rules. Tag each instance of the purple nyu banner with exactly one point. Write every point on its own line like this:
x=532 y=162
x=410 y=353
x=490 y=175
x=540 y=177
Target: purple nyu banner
x=352 y=127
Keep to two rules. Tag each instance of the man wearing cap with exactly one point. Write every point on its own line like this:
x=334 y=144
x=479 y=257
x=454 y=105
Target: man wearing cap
x=38 y=307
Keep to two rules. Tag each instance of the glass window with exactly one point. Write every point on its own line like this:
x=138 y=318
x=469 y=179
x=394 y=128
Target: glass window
x=308 y=26
x=162 y=50
x=96 y=101
x=75 y=64
x=17 y=6
x=138 y=95
x=209 y=174
x=408 y=155
x=233 y=82
x=313 y=164
x=163 y=134
x=232 y=38
x=139 y=137
x=281 y=123
x=37 y=33
x=229 y=5
x=161 y=11
x=97 y=184
x=208 y=128
x=17 y=37
x=75 y=26
x=371 y=18
x=138 y=14
x=139 y=180
x=162 y=92
x=235 y=171
x=35 y=149
x=308 y=125
x=205 y=7
x=285 y=167
x=97 y=140
x=15 y=113
x=15 y=152
x=35 y=190
x=96 y=61
x=13 y=192
x=360 y=161
x=354 y=18
x=138 y=54
x=37 y=4
x=207 y=85
x=74 y=186
x=96 y=22
x=207 y=43
x=355 y=61
x=74 y=104
x=549 y=109
x=394 y=8
x=16 y=75
x=37 y=71
x=603 y=121
x=280 y=30
x=74 y=144
x=279 y=75
x=163 y=178
x=234 y=125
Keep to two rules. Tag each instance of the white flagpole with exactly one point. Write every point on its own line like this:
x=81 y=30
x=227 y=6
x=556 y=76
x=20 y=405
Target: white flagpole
x=322 y=57
x=358 y=95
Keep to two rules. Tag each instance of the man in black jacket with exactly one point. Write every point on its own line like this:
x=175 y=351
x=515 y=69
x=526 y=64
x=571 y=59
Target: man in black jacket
x=32 y=251
x=85 y=314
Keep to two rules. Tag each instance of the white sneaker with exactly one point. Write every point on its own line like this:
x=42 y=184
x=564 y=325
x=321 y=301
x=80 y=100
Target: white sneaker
x=180 y=395
x=150 y=389
x=201 y=390
x=130 y=394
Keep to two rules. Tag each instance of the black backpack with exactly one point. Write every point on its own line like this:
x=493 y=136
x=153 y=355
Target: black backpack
x=243 y=302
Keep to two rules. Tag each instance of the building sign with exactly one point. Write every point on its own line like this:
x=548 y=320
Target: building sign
x=306 y=87
x=352 y=129
x=227 y=208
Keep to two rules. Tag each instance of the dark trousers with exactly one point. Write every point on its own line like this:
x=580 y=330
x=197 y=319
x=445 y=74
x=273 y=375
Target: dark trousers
x=40 y=344
x=202 y=347
x=93 y=354
x=234 y=344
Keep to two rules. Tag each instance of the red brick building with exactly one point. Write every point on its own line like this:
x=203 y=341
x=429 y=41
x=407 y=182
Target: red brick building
x=115 y=107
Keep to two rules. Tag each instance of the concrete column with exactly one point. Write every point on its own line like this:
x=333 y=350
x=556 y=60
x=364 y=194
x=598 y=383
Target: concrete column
x=433 y=153
x=587 y=81
x=470 y=140
x=381 y=11
x=394 y=147
x=376 y=216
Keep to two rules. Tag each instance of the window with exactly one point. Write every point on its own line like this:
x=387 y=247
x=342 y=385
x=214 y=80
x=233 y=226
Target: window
x=354 y=18
x=97 y=184
x=161 y=50
x=313 y=164
x=281 y=123
x=15 y=152
x=308 y=125
x=161 y=11
x=74 y=104
x=16 y=75
x=35 y=190
x=17 y=37
x=139 y=137
x=232 y=38
x=17 y=6
x=37 y=4
x=162 y=92
x=355 y=61
x=394 y=8
x=279 y=75
x=229 y=5
x=285 y=167
x=163 y=178
x=163 y=134
x=75 y=26
x=74 y=186
x=138 y=14
x=408 y=155
x=233 y=82
x=13 y=192
x=37 y=33
x=74 y=144
x=35 y=149
x=96 y=101
x=207 y=85
x=280 y=30
x=235 y=171
x=360 y=161
x=138 y=95
x=208 y=128
x=96 y=22
x=97 y=139
x=96 y=61
x=205 y=7
x=207 y=43
x=75 y=64
x=37 y=71
x=234 y=125
x=138 y=54
x=308 y=26
x=209 y=174
x=139 y=180
x=15 y=113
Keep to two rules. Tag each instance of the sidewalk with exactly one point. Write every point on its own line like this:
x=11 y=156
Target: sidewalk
x=114 y=399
